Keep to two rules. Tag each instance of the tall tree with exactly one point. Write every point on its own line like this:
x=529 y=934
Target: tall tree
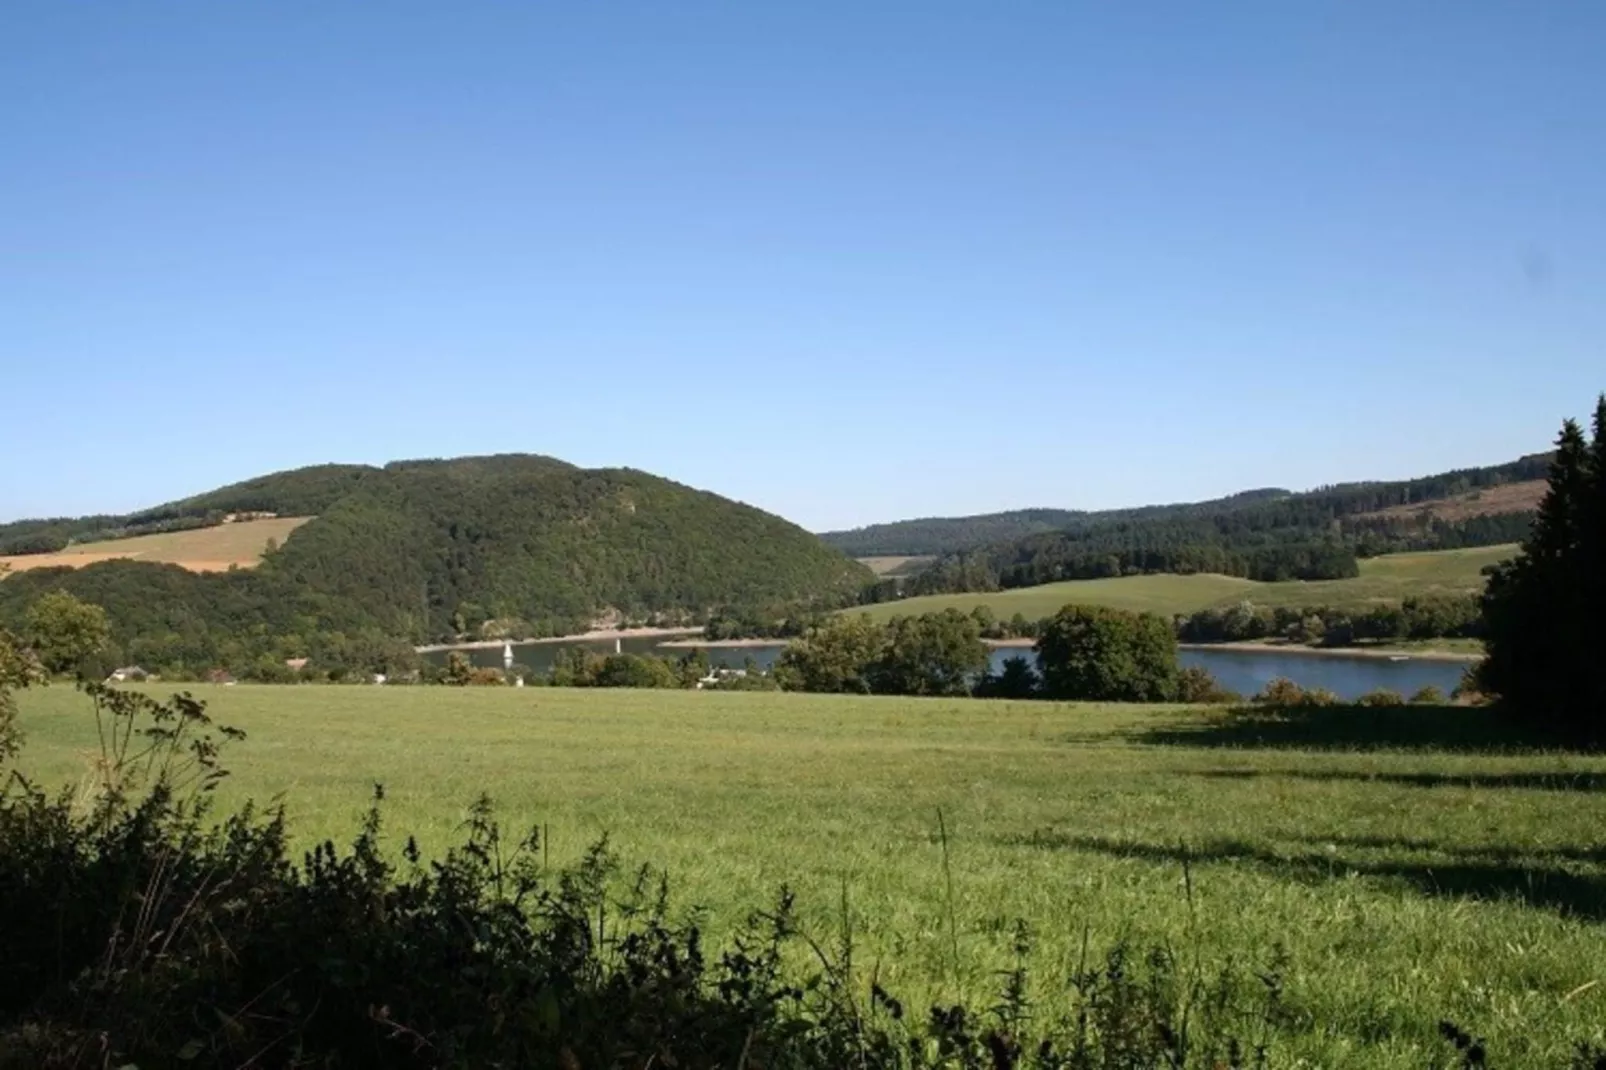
x=63 y=630
x=1094 y=653
x=18 y=669
x=1593 y=555
x=836 y=656
x=932 y=654
x=1542 y=610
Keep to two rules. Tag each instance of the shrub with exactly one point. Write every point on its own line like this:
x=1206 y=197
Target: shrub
x=1428 y=696
x=1196 y=685
x=1382 y=697
x=1281 y=691
x=633 y=670
x=1015 y=679
x=1284 y=693
x=1469 y=691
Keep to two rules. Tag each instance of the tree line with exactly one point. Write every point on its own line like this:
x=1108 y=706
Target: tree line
x=1412 y=618
x=1270 y=536
x=1346 y=503
x=341 y=656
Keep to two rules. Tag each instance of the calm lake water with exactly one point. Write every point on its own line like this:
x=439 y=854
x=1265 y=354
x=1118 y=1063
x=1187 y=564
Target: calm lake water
x=1242 y=671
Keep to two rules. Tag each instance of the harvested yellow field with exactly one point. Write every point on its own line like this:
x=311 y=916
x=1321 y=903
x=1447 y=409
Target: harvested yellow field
x=201 y=550
x=896 y=566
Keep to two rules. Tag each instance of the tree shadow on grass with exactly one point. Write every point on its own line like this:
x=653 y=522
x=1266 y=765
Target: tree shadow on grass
x=1439 y=728
x=1549 y=853
x=1560 y=780
x=1474 y=874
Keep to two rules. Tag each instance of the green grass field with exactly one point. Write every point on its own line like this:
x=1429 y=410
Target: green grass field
x=1407 y=885
x=1393 y=577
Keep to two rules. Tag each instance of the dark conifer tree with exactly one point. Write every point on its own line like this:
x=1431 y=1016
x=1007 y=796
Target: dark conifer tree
x=1593 y=567
x=1545 y=645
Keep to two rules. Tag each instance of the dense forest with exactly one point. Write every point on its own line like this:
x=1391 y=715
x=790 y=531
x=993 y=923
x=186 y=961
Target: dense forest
x=936 y=536
x=423 y=550
x=1261 y=535
x=948 y=535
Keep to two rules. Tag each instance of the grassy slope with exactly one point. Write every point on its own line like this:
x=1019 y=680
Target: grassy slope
x=200 y=550
x=1391 y=577
x=1062 y=815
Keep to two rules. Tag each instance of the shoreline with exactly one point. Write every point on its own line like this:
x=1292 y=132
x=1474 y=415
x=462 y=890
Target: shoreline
x=1374 y=653
x=597 y=635
x=725 y=644
x=691 y=639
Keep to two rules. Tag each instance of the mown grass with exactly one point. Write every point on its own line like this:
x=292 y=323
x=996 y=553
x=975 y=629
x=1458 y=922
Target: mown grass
x=212 y=549
x=1389 y=578
x=1407 y=883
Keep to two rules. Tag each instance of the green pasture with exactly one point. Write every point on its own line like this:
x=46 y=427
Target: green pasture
x=1406 y=884
x=1389 y=578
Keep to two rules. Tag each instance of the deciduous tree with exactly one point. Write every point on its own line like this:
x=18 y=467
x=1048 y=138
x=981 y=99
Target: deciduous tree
x=63 y=631
x=932 y=654
x=1107 y=655
x=836 y=656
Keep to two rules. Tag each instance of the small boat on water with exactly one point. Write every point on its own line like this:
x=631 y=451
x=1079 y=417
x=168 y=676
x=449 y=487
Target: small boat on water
x=1399 y=657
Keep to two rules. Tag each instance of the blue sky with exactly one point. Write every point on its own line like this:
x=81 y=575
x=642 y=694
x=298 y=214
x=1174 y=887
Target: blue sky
x=850 y=262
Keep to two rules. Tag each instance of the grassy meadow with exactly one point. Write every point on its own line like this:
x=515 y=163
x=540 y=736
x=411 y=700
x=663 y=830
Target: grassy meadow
x=1388 y=578
x=214 y=549
x=1406 y=884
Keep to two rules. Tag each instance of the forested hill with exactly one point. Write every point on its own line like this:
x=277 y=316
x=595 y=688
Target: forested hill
x=945 y=535
x=297 y=492
x=1267 y=534
x=422 y=550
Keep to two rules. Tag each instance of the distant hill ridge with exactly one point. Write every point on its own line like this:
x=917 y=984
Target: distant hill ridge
x=424 y=549
x=937 y=536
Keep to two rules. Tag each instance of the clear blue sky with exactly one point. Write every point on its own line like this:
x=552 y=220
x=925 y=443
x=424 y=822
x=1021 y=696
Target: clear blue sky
x=850 y=262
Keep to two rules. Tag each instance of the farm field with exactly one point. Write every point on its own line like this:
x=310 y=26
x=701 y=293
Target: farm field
x=895 y=566
x=214 y=549
x=1407 y=885
x=1391 y=577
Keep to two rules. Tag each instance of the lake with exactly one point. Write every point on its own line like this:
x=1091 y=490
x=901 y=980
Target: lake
x=1243 y=671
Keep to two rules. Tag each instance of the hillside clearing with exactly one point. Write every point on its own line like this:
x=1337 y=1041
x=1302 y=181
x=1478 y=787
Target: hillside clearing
x=1406 y=885
x=214 y=549
x=896 y=566
x=1388 y=578
x=1491 y=501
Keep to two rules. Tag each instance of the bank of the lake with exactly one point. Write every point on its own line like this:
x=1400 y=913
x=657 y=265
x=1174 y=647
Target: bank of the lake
x=599 y=635
x=1390 y=653
x=1244 y=668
